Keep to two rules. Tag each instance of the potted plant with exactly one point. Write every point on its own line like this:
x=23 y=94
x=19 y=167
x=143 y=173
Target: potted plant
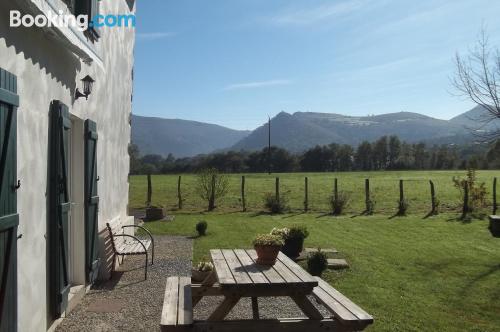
x=267 y=247
x=201 y=271
x=293 y=238
x=495 y=226
x=317 y=262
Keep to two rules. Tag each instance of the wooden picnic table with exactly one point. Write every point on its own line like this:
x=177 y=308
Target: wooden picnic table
x=236 y=274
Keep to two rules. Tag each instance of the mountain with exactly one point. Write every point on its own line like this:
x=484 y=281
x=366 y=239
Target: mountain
x=299 y=131
x=182 y=138
x=476 y=119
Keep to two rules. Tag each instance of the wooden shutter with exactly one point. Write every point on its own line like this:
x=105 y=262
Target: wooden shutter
x=59 y=207
x=8 y=204
x=91 y=202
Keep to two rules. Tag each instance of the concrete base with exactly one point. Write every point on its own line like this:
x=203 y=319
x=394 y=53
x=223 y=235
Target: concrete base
x=337 y=264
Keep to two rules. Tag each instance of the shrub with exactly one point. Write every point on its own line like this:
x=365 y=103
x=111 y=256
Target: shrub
x=317 y=263
x=268 y=240
x=204 y=266
x=477 y=191
x=338 y=204
x=281 y=232
x=275 y=205
x=201 y=228
x=403 y=206
x=211 y=186
x=298 y=232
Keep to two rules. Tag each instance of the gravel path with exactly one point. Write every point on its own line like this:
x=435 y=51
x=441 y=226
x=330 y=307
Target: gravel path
x=128 y=302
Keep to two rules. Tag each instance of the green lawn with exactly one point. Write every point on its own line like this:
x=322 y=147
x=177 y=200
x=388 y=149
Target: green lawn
x=384 y=187
x=411 y=274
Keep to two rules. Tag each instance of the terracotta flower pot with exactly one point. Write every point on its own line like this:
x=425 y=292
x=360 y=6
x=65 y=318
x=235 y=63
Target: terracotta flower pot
x=266 y=255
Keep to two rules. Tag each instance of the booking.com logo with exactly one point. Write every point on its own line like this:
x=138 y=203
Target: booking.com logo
x=80 y=22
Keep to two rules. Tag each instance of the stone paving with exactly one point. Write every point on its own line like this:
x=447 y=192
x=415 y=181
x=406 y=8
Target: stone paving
x=127 y=302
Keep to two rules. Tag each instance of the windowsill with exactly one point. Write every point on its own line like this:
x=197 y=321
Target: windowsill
x=69 y=37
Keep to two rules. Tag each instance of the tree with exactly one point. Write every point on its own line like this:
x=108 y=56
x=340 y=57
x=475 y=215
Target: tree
x=380 y=153
x=478 y=78
x=394 y=151
x=212 y=186
x=363 y=156
x=135 y=162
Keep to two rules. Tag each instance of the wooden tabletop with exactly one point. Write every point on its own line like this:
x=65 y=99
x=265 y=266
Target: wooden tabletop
x=237 y=268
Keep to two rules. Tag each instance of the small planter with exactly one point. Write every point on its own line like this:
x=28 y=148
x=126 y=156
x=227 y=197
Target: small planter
x=266 y=255
x=199 y=276
x=293 y=247
x=154 y=213
x=495 y=226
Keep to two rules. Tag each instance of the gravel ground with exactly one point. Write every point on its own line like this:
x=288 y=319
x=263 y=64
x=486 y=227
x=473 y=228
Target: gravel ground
x=130 y=303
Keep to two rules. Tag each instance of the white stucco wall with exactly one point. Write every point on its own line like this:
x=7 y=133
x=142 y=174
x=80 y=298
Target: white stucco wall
x=47 y=71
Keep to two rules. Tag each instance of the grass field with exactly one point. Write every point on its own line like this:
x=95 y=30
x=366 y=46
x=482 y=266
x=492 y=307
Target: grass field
x=384 y=186
x=410 y=273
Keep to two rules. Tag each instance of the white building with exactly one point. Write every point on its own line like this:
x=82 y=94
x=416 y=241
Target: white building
x=68 y=154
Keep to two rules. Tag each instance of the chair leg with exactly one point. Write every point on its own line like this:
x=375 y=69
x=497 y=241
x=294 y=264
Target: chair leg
x=152 y=253
x=113 y=267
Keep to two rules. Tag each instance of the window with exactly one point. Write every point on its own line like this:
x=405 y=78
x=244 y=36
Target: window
x=89 y=8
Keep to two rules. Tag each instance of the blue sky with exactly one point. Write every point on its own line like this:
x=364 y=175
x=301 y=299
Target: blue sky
x=234 y=62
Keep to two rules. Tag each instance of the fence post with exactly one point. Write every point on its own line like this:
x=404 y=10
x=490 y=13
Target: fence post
x=179 y=194
x=277 y=189
x=306 y=194
x=433 y=198
x=494 y=196
x=465 y=208
x=150 y=191
x=335 y=190
x=402 y=204
x=243 y=203
x=368 y=206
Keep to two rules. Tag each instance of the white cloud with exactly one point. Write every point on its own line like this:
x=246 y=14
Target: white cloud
x=259 y=84
x=148 y=36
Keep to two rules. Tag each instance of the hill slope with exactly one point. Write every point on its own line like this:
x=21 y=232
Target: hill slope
x=182 y=138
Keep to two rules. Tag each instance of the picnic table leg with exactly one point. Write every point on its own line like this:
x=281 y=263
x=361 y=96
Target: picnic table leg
x=209 y=281
x=224 y=308
x=255 y=308
x=307 y=307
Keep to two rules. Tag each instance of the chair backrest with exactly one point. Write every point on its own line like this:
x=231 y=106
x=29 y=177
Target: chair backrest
x=113 y=229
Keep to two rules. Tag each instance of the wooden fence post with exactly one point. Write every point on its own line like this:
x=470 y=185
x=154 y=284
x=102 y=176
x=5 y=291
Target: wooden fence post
x=335 y=190
x=368 y=203
x=465 y=208
x=243 y=202
x=402 y=206
x=306 y=194
x=150 y=191
x=495 y=196
x=277 y=189
x=179 y=194
x=433 y=199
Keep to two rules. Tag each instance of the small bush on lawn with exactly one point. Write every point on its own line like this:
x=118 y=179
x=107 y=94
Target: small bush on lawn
x=275 y=205
x=339 y=204
x=403 y=206
x=317 y=263
x=201 y=228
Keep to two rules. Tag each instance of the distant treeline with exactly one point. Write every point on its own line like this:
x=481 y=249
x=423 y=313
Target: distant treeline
x=386 y=153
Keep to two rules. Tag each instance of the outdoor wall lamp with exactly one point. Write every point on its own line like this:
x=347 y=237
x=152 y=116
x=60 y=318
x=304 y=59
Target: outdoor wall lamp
x=88 y=82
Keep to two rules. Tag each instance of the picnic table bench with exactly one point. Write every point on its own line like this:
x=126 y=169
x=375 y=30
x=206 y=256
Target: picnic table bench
x=236 y=275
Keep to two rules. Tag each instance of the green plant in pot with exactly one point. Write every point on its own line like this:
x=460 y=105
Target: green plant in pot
x=293 y=238
x=267 y=247
x=201 y=271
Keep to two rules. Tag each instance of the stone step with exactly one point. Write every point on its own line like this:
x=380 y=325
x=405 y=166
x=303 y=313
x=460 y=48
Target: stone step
x=337 y=263
x=305 y=253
